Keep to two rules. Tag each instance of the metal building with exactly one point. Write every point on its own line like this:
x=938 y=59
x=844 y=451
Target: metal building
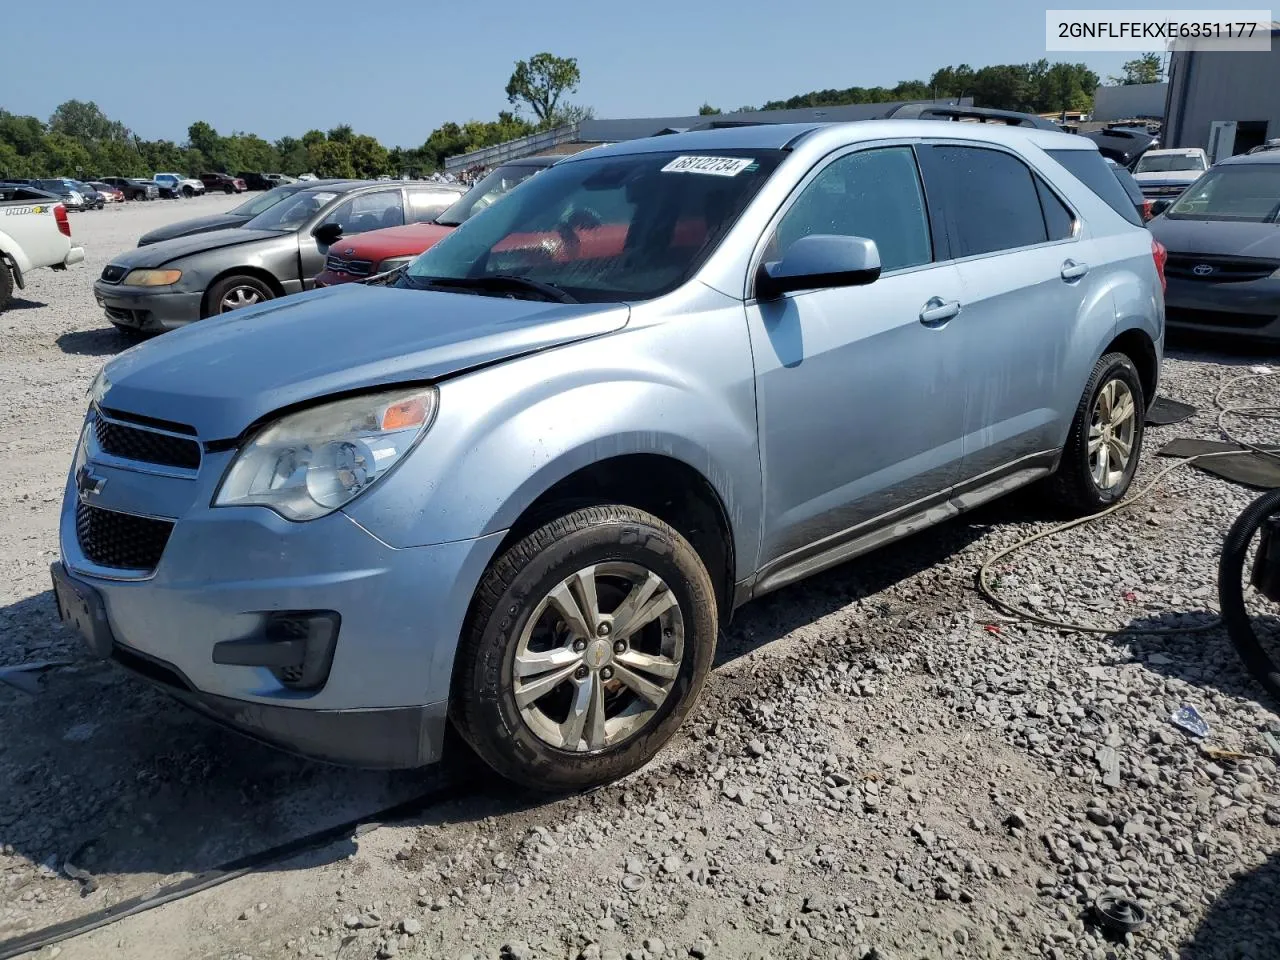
x=1223 y=101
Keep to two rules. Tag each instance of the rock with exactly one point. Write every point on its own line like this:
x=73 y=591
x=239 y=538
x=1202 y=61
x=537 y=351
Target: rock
x=756 y=748
x=701 y=949
x=631 y=883
x=411 y=925
x=516 y=950
x=655 y=946
x=1016 y=820
x=671 y=864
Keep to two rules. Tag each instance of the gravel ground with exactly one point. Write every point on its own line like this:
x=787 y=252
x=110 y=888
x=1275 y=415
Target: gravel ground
x=881 y=765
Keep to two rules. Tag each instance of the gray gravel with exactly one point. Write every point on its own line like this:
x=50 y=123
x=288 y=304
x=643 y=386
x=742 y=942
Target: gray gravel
x=881 y=767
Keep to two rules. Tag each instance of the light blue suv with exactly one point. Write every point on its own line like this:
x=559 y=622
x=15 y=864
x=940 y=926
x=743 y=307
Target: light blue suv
x=519 y=484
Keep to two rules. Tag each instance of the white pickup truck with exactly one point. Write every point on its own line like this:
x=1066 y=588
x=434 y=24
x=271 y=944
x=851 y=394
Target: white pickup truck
x=34 y=232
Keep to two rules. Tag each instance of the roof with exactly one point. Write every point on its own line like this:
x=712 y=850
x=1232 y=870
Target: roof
x=1267 y=156
x=775 y=136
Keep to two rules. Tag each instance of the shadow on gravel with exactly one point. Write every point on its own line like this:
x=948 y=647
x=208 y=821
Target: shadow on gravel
x=19 y=303
x=1243 y=921
x=1228 y=351
x=1207 y=659
x=94 y=343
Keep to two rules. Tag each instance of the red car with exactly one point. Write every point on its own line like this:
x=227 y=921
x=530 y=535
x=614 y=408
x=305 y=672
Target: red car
x=223 y=182
x=381 y=250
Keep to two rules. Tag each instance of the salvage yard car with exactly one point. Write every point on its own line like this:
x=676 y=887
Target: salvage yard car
x=235 y=217
x=383 y=250
x=1223 y=237
x=175 y=282
x=1166 y=173
x=522 y=486
x=34 y=233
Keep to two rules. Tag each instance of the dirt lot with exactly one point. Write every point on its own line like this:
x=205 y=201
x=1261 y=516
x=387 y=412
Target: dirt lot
x=881 y=767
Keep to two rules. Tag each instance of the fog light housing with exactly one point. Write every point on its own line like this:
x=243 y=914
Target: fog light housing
x=295 y=645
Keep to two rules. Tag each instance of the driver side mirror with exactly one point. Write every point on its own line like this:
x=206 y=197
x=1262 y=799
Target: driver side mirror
x=1160 y=206
x=820 y=260
x=328 y=233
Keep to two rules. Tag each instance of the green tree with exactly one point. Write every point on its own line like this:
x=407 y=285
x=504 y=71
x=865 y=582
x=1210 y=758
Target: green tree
x=294 y=158
x=85 y=122
x=333 y=159
x=201 y=136
x=255 y=153
x=368 y=156
x=1148 y=68
x=540 y=82
x=342 y=133
x=66 y=155
x=707 y=110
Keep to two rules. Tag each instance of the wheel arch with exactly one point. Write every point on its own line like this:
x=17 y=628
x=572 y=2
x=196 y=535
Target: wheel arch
x=1138 y=346
x=258 y=273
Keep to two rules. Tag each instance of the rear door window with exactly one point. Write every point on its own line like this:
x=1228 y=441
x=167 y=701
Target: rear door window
x=1091 y=169
x=989 y=199
x=426 y=205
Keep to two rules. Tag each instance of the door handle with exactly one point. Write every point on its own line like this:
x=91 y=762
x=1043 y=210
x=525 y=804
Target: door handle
x=937 y=311
x=1071 y=270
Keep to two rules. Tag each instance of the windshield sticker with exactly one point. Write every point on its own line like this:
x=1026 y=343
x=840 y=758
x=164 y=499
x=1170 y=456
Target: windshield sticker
x=714 y=166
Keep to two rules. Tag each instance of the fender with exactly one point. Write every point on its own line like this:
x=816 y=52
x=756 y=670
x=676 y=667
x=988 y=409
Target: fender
x=14 y=254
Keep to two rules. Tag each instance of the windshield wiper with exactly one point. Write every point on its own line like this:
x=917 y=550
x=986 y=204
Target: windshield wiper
x=498 y=282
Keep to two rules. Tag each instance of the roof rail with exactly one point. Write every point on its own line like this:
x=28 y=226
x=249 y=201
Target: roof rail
x=934 y=111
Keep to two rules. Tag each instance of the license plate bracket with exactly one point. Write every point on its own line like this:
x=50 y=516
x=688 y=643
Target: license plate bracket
x=80 y=606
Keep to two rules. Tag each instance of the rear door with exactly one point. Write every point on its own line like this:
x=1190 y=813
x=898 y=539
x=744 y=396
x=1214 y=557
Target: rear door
x=1027 y=276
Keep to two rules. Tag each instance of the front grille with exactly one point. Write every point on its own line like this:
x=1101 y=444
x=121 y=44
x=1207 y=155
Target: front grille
x=1219 y=269
x=1217 y=318
x=129 y=318
x=134 y=443
x=113 y=274
x=357 y=268
x=121 y=540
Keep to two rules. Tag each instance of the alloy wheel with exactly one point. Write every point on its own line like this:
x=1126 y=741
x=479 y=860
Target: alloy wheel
x=238 y=297
x=1112 y=425
x=598 y=657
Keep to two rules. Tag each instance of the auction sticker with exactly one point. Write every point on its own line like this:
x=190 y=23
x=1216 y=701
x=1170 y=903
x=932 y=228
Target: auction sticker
x=715 y=166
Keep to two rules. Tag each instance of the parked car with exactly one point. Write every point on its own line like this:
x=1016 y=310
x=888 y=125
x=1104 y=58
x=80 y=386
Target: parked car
x=1166 y=173
x=382 y=250
x=255 y=181
x=109 y=193
x=523 y=486
x=1141 y=205
x=174 y=282
x=1123 y=146
x=279 y=179
x=1272 y=144
x=235 y=217
x=63 y=189
x=179 y=185
x=93 y=200
x=34 y=233
x=307 y=176
x=133 y=188
x=223 y=182
x=1224 y=250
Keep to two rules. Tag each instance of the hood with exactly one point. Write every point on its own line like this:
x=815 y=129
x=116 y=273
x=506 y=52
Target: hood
x=1222 y=237
x=166 y=251
x=1169 y=176
x=391 y=242
x=221 y=375
x=186 y=228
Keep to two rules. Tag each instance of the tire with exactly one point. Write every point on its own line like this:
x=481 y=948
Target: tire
x=1082 y=484
x=188 y=192
x=513 y=612
x=228 y=190
x=6 y=285
x=249 y=290
x=1235 y=615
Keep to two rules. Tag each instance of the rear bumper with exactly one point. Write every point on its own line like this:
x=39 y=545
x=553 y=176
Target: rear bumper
x=74 y=255
x=1249 y=309
x=148 y=311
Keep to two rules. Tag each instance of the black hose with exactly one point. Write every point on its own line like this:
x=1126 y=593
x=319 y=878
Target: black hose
x=1231 y=591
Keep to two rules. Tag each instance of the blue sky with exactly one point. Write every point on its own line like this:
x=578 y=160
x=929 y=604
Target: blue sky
x=397 y=70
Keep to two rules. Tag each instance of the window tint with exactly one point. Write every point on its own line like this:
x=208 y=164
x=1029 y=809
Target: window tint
x=989 y=199
x=369 y=211
x=1057 y=218
x=871 y=193
x=1090 y=168
x=426 y=205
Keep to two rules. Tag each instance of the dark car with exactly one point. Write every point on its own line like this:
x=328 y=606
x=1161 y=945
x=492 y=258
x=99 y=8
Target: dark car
x=235 y=217
x=1223 y=238
x=133 y=188
x=93 y=200
x=22 y=190
x=255 y=181
x=165 y=285
x=63 y=189
x=224 y=182
x=1134 y=192
x=1122 y=146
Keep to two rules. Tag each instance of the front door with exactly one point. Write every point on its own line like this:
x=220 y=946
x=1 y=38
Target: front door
x=359 y=214
x=860 y=390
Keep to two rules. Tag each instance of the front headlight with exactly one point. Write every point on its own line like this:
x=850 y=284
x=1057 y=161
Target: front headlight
x=392 y=263
x=308 y=464
x=152 y=278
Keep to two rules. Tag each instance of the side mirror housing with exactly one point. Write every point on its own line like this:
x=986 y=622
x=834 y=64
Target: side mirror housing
x=1160 y=206
x=328 y=233
x=819 y=260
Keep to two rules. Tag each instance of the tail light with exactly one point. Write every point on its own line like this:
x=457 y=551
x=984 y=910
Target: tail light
x=1146 y=210
x=60 y=215
x=1159 y=254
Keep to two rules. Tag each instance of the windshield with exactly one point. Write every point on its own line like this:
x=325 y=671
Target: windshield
x=606 y=229
x=1246 y=192
x=486 y=190
x=262 y=202
x=293 y=212
x=1168 y=162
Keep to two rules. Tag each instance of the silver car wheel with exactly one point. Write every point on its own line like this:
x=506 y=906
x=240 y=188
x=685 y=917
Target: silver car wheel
x=238 y=297
x=598 y=657
x=1111 y=431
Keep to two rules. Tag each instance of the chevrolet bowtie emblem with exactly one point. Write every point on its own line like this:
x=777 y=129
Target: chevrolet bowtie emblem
x=88 y=483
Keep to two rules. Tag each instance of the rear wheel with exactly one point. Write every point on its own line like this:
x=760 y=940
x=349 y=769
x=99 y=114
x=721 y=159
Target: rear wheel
x=232 y=293
x=188 y=192
x=228 y=189
x=1105 y=442
x=586 y=646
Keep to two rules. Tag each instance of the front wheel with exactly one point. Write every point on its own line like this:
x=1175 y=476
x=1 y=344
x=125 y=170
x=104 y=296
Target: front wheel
x=1102 y=450
x=228 y=189
x=586 y=646
x=232 y=293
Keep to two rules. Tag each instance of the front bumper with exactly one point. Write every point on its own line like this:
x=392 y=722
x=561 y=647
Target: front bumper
x=1249 y=309
x=224 y=571
x=332 y=278
x=147 y=310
